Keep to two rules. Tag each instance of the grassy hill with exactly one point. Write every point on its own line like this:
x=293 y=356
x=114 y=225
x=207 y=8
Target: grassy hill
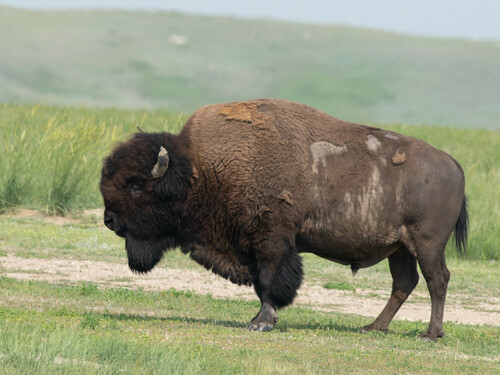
x=180 y=62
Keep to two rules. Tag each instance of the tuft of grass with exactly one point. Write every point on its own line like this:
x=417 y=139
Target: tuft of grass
x=90 y=320
x=27 y=349
x=87 y=289
x=339 y=286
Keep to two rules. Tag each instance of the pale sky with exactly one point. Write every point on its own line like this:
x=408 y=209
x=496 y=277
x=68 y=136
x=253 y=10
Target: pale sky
x=474 y=19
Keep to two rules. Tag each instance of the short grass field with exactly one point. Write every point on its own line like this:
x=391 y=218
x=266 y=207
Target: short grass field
x=47 y=329
x=69 y=326
x=50 y=323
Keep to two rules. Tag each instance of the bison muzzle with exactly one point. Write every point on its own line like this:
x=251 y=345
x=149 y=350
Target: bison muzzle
x=248 y=186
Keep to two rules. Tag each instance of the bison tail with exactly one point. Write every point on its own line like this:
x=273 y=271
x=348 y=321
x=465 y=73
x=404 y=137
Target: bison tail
x=461 y=229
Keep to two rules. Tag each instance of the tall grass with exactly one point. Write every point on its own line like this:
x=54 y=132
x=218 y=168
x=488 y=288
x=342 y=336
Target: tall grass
x=50 y=158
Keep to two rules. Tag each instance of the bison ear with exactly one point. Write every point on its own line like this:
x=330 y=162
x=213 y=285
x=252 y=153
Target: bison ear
x=161 y=165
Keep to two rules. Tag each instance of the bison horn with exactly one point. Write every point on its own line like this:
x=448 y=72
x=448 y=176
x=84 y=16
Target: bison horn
x=161 y=165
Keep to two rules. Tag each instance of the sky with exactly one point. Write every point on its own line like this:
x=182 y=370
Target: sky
x=471 y=19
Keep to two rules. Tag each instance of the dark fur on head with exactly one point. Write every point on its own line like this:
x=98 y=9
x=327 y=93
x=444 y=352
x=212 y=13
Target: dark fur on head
x=145 y=211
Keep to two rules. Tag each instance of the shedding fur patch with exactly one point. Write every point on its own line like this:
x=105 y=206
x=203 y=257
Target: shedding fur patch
x=372 y=143
x=244 y=112
x=398 y=158
x=320 y=151
x=364 y=204
x=391 y=136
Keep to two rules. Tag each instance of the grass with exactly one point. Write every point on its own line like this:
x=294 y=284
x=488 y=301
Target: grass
x=89 y=328
x=51 y=157
x=93 y=330
x=340 y=286
x=50 y=160
x=125 y=59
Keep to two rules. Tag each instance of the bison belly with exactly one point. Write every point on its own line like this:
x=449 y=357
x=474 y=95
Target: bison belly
x=351 y=232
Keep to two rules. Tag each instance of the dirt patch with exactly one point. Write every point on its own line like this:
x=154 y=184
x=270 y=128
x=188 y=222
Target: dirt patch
x=23 y=213
x=107 y=274
x=99 y=212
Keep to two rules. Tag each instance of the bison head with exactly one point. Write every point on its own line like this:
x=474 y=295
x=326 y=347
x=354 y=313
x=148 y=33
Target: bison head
x=143 y=183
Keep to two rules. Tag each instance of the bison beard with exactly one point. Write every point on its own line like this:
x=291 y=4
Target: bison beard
x=246 y=187
x=144 y=254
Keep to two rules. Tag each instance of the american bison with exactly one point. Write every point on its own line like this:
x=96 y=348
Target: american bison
x=248 y=186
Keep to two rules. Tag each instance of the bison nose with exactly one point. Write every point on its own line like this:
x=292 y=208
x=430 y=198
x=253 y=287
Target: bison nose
x=108 y=221
x=112 y=222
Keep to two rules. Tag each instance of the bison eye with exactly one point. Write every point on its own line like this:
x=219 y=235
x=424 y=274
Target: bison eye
x=134 y=190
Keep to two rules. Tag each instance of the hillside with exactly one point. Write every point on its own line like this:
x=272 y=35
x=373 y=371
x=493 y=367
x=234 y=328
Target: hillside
x=180 y=62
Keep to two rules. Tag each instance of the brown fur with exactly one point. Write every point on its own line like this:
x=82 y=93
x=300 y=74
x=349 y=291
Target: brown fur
x=252 y=184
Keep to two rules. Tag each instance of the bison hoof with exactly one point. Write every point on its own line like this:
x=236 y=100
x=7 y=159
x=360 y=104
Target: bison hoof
x=430 y=336
x=261 y=327
x=265 y=319
x=371 y=327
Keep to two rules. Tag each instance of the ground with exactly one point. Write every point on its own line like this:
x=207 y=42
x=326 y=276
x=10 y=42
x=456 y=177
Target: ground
x=466 y=308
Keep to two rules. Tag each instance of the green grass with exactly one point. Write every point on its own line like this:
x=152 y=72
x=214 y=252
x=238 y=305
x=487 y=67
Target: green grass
x=68 y=329
x=343 y=285
x=124 y=59
x=51 y=158
x=87 y=328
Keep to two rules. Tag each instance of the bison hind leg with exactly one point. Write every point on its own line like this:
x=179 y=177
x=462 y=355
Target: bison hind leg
x=276 y=283
x=437 y=276
x=403 y=266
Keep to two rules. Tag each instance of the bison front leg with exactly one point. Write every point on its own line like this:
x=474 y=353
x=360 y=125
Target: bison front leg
x=277 y=277
x=267 y=316
x=404 y=273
